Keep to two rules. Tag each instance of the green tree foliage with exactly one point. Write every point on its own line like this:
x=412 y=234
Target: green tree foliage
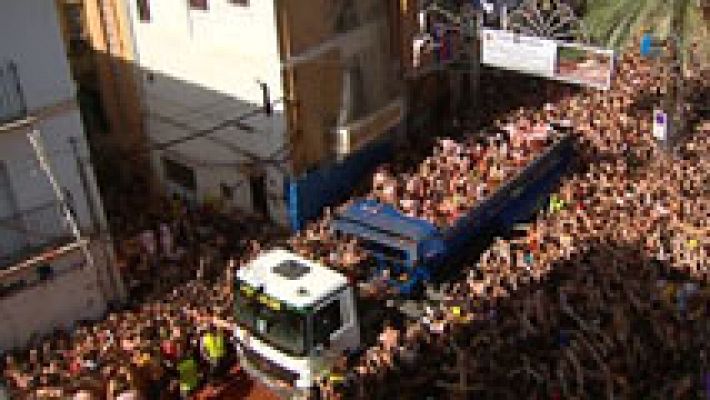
x=616 y=23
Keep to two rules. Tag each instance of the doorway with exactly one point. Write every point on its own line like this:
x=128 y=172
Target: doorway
x=257 y=184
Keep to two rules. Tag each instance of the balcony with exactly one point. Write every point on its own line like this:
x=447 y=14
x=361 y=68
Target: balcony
x=12 y=101
x=27 y=233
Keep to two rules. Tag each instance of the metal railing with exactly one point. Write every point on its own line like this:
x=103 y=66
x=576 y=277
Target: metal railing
x=25 y=233
x=12 y=100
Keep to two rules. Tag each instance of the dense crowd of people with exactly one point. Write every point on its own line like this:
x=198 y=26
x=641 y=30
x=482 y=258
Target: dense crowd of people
x=440 y=189
x=172 y=337
x=604 y=296
x=160 y=350
x=460 y=175
x=178 y=242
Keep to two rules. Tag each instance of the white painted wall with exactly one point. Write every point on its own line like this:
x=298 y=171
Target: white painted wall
x=205 y=68
x=29 y=183
x=72 y=295
x=30 y=37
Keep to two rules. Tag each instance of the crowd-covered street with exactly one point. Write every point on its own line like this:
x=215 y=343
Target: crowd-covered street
x=604 y=296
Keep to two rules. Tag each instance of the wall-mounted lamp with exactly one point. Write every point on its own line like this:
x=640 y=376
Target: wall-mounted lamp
x=266 y=97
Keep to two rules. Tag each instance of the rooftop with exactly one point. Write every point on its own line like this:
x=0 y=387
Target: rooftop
x=290 y=278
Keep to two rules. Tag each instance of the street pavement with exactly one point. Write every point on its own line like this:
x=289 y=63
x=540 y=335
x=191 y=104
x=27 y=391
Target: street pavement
x=238 y=385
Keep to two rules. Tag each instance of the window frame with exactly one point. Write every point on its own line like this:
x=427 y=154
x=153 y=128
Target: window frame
x=226 y=191
x=143 y=7
x=186 y=182
x=255 y=311
x=320 y=336
x=200 y=5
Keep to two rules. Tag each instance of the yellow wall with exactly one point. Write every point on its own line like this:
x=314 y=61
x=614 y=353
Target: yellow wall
x=314 y=88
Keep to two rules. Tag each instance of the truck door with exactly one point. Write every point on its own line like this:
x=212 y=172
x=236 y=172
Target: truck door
x=334 y=328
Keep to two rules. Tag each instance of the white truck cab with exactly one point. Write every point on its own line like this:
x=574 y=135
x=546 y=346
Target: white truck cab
x=294 y=318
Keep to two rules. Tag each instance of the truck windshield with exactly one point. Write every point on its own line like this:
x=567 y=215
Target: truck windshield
x=270 y=320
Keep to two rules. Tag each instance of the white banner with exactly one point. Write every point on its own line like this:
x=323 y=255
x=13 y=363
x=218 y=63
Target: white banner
x=566 y=62
x=660 y=125
x=584 y=65
x=515 y=52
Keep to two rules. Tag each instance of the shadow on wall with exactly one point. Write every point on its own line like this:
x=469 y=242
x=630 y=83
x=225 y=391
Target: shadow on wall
x=211 y=147
x=201 y=144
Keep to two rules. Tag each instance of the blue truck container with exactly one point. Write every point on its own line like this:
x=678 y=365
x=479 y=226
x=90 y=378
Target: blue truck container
x=308 y=194
x=413 y=248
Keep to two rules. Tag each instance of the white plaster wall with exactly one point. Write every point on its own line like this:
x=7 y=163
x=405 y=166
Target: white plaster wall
x=226 y=48
x=211 y=178
x=73 y=295
x=29 y=182
x=205 y=68
x=29 y=36
x=275 y=192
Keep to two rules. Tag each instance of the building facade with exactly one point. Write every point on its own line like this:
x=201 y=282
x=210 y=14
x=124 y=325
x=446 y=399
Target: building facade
x=242 y=97
x=50 y=274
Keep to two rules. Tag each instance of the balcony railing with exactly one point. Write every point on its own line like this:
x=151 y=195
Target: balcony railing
x=28 y=232
x=12 y=100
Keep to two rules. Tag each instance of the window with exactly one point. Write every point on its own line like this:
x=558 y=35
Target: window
x=260 y=202
x=283 y=328
x=357 y=91
x=326 y=321
x=347 y=17
x=180 y=174
x=75 y=21
x=199 y=5
x=243 y=3
x=11 y=238
x=143 y=10
x=227 y=191
x=69 y=199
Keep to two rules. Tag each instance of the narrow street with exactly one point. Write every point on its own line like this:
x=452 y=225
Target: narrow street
x=238 y=386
